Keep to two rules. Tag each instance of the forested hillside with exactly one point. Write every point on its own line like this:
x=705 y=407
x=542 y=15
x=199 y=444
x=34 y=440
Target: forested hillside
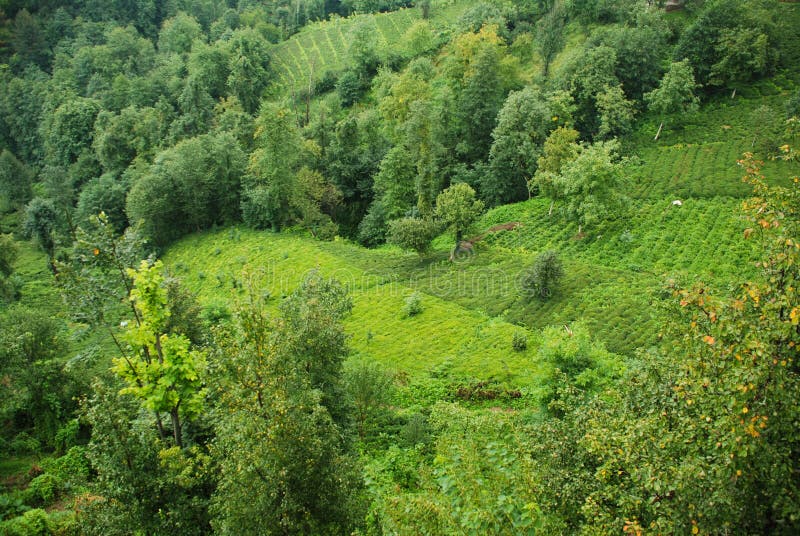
x=385 y=267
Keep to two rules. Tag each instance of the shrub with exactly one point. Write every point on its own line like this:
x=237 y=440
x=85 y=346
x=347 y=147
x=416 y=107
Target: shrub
x=43 y=489
x=416 y=431
x=412 y=233
x=31 y=523
x=543 y=276
x=413 y=305
x=519 y=341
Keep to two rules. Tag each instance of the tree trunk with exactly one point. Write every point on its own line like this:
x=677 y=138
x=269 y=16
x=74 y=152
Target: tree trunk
x=176 y=427
x=659 y=131
x=550 y=212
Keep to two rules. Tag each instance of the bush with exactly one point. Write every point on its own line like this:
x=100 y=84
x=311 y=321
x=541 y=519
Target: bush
x=416 y=431
x=11 y=506
x=412 y=233
x=31 y=523
x=543 y=276
x=413 y=305
x=519 y=342
x=44 y=489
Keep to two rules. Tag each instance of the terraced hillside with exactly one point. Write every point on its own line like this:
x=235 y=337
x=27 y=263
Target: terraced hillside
x=322 y=46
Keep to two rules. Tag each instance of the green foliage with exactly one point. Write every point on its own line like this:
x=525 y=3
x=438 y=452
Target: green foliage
x=163 y=372
x=457 y=208
x=178 y=33
x=36 y=393
x=413 y=305
x=519 y=342
x=370 y=387
x=188 y=187
x=285 y=465
x=743 y=56
x=249 y=67
x=675 y=93
x=15 y=180
x=104 y=194
x=480 y=481
x=585 y=77
x=31 y=523
x=550 y=36
x=70 y=130
x=544 y=275
x=145 y=485
x=616 y=113
x=523 y=125
x=560 y=147
x=8 y=255
x=591 y=185
x=413 y=234
x=41 y=223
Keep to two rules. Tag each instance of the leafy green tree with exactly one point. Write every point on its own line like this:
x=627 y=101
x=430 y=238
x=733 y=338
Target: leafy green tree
x=550 y=36
x=178 y=33
x=164 y=372
x=640 y=52
x=8 y=255
x=480 y=481
x=104 y=194
x=120 y=138
x=395 y=182
x=543 y=276
x=70 y=130
x=370 y=386
x=675 y=94
x=560 y=147
x=351 y=161
x=523 y=125
x=616 y=113
x=592 y=184
x=477 y=105
x=286 y=464
x=29 y=40
x=415 y=234
x=188 y=187
x=249 y=67
x=703 y=426
x=585 y=77
x=36 y=393
x=143 y=483
x=15 y=180
x=41 y=224
x=743 y=55
x=362 y=48
x=701 y=42
x=419 y=39
x=457 y=209
x=271 y=188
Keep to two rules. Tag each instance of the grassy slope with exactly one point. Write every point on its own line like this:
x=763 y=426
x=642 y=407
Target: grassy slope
x=445 y=335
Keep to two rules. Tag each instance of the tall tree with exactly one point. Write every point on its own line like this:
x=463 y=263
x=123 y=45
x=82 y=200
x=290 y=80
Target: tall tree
x=164 y=372
x=591 y=184
x=675 y=95
x=458 y=209
x=286 y=465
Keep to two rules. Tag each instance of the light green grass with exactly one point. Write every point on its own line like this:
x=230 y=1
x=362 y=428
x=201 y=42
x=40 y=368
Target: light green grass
x=465 y=341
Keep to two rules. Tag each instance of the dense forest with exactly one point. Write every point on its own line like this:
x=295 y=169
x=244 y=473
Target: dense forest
x=393 y=267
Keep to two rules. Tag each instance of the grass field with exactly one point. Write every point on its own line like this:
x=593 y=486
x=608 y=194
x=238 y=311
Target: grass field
x=446 y=335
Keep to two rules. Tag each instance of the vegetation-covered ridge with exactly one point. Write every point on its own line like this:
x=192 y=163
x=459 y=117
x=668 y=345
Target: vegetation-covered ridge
x=383 y=267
